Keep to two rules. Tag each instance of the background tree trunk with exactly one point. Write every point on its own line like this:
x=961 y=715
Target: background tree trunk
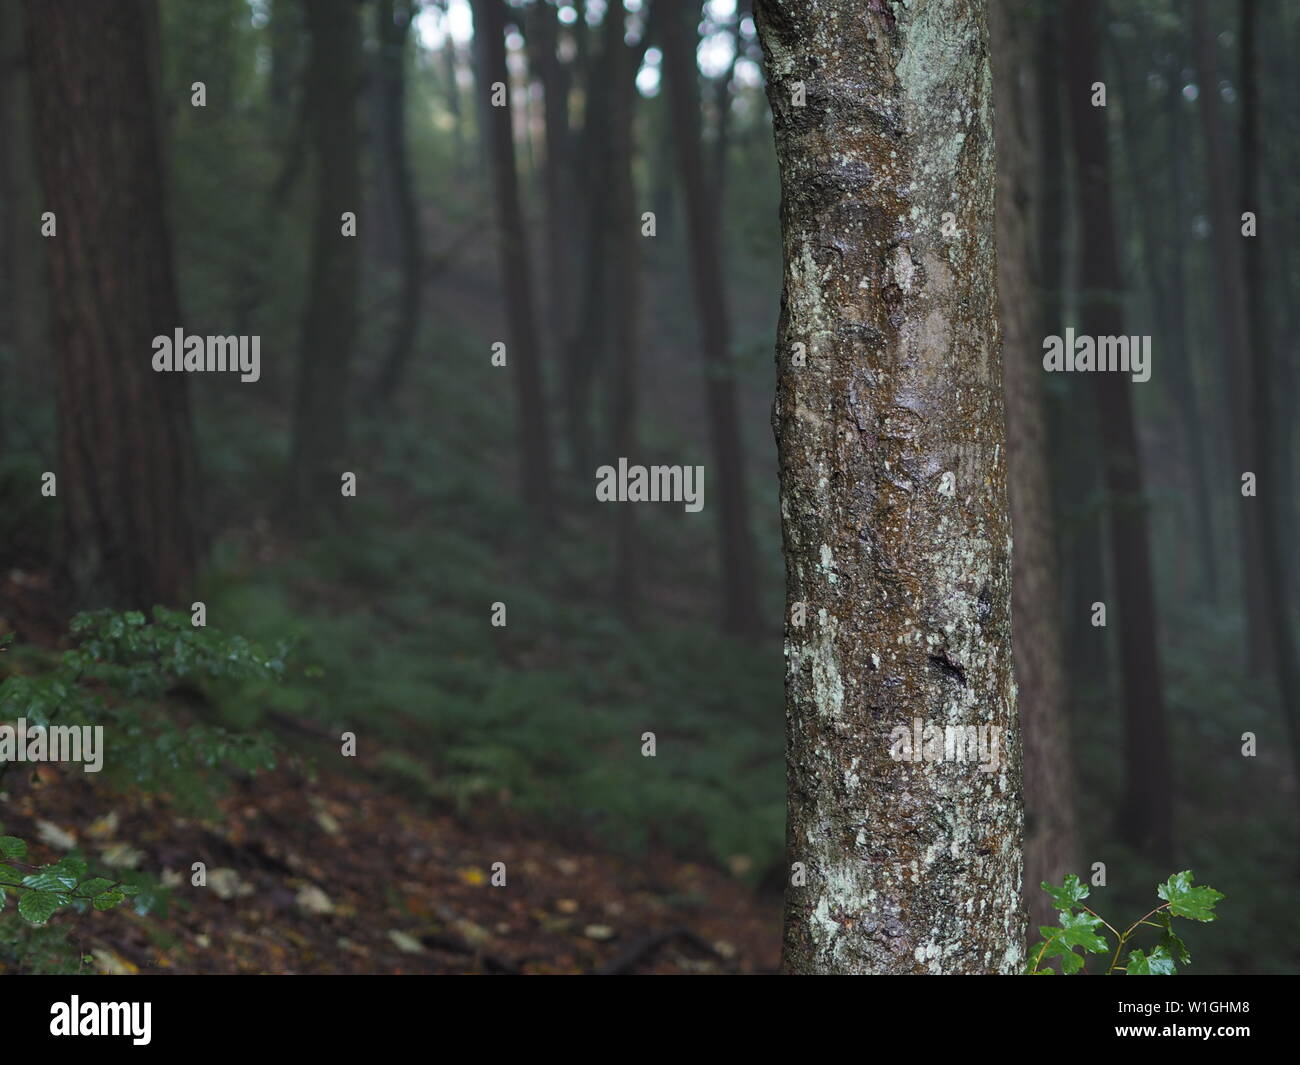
x=392 y=27
x=126 y=472
x=736 y=538
x=1146 y=815
x=1272 y=486
x=320 y=430
x=1050 y=834
x=523 y=363
x=893 y=489
x=1229 y=300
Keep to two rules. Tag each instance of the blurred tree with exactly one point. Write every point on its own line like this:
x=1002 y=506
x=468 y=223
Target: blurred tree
x=1050 y=833
x=1146 y=815
x=889 y=426
x=398 y=215
x=543 y=20
x=677 y=27
x=624 y=280
x=533 y=437
x=320 y=418
x=126 y=472
x=1272 y=486
x=1229 y=303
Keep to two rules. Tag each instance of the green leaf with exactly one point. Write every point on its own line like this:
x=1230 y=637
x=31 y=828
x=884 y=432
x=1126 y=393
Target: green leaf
x=1070 y=962
x=1195 y=903
x=44 y=880
x=96 y=885
x=1070 y=892
x=1158 y=964
x=38 y=906
x=108 y=900
x=12 y=847
x=1176 y=948
x=73 y=867
x=10 y=875
x=1079 y=930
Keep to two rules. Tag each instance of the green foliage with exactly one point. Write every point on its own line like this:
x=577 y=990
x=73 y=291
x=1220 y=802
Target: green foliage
x=28 y=941
x=121 y=668
x=1082 y=928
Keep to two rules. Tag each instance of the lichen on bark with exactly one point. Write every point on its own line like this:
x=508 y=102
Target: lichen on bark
x=893 y=487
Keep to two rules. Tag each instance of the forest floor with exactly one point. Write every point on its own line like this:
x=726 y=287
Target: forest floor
x=329 y=874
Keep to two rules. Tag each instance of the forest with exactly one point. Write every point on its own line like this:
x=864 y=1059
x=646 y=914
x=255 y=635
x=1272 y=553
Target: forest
x=648 y=486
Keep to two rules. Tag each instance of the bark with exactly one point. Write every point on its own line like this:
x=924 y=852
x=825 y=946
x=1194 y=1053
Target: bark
x=893 y=489
x=1229 y=300
x=1051 y=838
x=392 y=25
x=704 y=237
x=320 y=429
x=1145 y=818
x=533 y=438
x=126 y=472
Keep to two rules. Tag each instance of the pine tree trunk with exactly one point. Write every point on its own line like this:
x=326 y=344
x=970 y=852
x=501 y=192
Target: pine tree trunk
x=126 y=472
x=893 y=491
x=1146 y=815
x=1238 y=359
x=1272 y=487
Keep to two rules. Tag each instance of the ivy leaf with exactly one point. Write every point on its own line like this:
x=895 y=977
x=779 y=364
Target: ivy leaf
x=1158 y=964
x=1079 y=930
x=1071 y=962
x=38 y=906
x=1070 y=892
x=12 y=847
x=1195 y=903
x=1170 y=940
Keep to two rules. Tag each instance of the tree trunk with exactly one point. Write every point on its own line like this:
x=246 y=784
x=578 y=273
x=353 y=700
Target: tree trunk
x=544 y=58
x=523 y=363
x=1271 y=487
x=1229 y=301
x=591 y=333
x=392 y=25
x=1146 y=814
x=286 y=48
x=126 y=473
x=1050 y=833
x=736 y=542
x=320 y=429
x=625 y=301
x=893 y=492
